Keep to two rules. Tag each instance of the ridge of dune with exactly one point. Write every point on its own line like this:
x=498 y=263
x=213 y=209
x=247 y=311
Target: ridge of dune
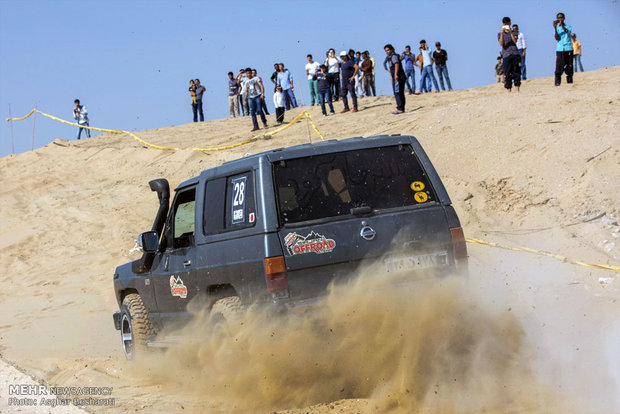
x=539 y=168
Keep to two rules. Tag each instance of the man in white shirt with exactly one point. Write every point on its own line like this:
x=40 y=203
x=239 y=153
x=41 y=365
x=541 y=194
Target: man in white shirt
x=333 y=73
x=312 y=68
x=521 y=46
x=80 y=114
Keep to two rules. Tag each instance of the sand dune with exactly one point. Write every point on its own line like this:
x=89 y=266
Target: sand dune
x=539 y=168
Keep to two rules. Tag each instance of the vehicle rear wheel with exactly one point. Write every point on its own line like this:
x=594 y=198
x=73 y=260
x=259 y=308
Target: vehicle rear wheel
x=136 y=327
x=225 y=317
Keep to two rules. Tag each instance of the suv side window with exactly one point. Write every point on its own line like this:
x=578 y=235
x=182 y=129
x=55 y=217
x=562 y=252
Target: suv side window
x=229 y=203
x=240 y=206
x=183 y=221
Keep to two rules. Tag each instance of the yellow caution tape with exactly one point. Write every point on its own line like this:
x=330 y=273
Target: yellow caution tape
x=134 y=136
x=555 y=256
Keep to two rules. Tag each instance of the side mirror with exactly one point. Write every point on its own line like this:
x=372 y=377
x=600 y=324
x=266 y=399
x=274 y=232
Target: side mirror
x=149 y=241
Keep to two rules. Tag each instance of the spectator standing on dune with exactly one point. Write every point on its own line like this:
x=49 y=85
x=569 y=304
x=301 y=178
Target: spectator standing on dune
x=367 y=69
x=274 y=75
x=563 y=50
x=192 y=90
x=408 y=60
x=285 y=80
x=348 y=71
x=253 y=92
x=510 y=55
x=80 y=114
x=371 y=79
x=521 y=46
x=233 y=95
x=325 y=94
x=427 y=67
x=576 y=53
x=499 y=70
x=278 y=102
x=263 y=104
x=245 y=111
x=393 y=64
x=197 y=107
x=312 y=68
x=333 y=71
x=440 y=56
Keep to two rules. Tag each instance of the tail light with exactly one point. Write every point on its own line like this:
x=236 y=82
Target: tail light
x=275 y=273
x=459 y=246
x=115 y=276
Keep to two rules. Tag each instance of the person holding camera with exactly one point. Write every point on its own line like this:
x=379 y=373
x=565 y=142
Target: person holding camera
x=511 y=59
x=563 y=50
x=80 y=114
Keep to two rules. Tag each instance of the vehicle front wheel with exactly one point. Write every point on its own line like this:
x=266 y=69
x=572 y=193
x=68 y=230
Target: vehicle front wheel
x=136 y=327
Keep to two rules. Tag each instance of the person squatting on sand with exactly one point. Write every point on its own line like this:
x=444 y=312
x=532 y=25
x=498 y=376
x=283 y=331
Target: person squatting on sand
x=563 y=50
x=510 y=55
x=80 y=114
x=576 y=53
x=254 y=92
x=397 y=75
x=348 y=70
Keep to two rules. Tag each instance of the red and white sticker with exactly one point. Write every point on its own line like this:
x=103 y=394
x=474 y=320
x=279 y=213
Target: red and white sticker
x=312 y=243
x=177 y=287
x=252 y=217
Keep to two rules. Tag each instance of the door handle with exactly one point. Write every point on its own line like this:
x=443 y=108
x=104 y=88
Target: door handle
x=187 y=263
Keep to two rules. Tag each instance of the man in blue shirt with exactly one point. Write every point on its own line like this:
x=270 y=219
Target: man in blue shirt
x=409 y=58
x=563 y=50
x=285 y=80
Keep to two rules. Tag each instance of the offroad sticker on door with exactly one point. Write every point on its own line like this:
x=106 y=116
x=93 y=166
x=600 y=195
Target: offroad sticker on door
x=312 y=243
x=177 y=287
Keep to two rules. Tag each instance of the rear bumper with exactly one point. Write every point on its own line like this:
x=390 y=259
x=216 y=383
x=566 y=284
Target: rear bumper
x=117 y=320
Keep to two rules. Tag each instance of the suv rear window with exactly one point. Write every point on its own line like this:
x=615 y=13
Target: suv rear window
x=331 y=185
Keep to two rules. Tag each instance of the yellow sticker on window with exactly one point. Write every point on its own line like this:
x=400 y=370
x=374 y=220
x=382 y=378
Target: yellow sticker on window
x=420 y=197
x=417 y=186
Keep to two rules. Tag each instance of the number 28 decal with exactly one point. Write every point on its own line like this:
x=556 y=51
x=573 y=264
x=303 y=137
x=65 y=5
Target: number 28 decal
x=238 y=201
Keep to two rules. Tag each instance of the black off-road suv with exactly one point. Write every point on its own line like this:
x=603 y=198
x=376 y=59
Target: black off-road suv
x=280 y=226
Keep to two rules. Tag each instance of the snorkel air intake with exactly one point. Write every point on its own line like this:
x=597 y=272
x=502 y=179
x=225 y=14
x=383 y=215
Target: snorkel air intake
x=162 y=188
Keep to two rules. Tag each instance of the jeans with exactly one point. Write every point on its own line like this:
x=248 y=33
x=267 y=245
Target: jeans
x=263 y=105
x=369 y=83
x=289 y=99
x=255 y=108
x=427 y=75
x=197 y=108
x=314 y=91
x=442 y=70
x=577 y=63
x=348 y=86
x=359 y=90
x=399 y=93
x=81 y=129
x=280 y=114
x=334 y=79
x=233 y=105
x=523 y=71
x=564 y=63
x=245 y=109
x=410 y=74
x=326 y=96
x=512 y=72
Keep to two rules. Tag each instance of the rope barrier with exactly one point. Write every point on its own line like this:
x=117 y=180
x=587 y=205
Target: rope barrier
x=555 y=256
x=159 y=147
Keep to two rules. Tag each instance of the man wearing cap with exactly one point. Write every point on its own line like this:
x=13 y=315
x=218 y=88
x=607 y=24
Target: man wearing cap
x=397 y=75
x=348 y=70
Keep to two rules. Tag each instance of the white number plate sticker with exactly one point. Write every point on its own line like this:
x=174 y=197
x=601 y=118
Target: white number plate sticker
x=404 y=263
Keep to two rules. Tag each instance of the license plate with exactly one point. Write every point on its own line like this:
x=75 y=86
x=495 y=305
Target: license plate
x=406 y=263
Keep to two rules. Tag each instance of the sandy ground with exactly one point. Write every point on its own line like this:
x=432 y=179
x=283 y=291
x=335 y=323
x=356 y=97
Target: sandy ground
x=539 y=168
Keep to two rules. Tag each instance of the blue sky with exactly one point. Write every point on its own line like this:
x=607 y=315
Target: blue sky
x=130 y=61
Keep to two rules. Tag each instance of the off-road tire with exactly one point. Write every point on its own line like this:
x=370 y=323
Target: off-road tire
x=136 y=326
x=226 y=316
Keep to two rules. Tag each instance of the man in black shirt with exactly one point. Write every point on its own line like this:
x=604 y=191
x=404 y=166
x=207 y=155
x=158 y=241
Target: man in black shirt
x=348 y=70
x=397 y=74
x=440 y=57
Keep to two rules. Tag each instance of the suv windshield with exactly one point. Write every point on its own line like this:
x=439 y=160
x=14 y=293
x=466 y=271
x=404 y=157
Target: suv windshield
x=331 y=185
